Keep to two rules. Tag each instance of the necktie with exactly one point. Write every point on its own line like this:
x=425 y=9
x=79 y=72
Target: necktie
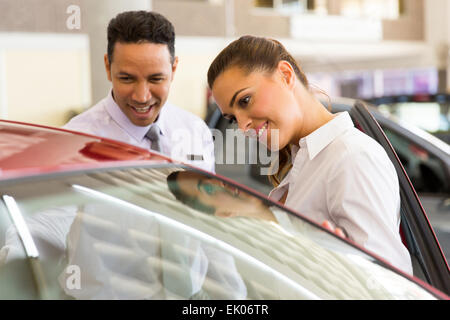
x=153 y=135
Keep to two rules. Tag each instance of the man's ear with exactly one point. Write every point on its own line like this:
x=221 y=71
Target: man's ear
x=174 y=66
x=287 y=73
x=107 y=67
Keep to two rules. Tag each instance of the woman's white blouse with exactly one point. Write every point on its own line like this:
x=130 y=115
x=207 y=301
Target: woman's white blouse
x=342 y=175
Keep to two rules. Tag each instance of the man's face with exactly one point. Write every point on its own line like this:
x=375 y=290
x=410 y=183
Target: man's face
x=141 y=75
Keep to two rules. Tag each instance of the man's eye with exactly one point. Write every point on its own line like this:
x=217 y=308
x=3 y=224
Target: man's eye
x=156 y=80
x=125 y=79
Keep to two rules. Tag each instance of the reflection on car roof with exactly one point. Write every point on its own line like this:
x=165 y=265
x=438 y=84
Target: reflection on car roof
x=313 y=266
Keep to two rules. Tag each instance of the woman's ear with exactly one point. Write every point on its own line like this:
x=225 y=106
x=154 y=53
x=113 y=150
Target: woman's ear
x=287 y=73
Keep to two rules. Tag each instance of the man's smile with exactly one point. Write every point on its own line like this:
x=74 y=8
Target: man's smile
x=143 y=111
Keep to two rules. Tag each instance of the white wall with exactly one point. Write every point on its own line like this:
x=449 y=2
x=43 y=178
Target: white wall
x=43 y=76
x=190 y=83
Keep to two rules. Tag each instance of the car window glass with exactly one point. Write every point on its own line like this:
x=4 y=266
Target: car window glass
x=432 y=116
x=423 y=168
x=16 y=278
x=170 y=233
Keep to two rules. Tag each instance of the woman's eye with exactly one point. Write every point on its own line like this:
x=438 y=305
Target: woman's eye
x=244 y=101
x=209 y=189
x=231 y=119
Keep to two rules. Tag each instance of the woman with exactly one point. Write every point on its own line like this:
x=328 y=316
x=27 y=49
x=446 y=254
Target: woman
x=210 y=195
x=328 y=170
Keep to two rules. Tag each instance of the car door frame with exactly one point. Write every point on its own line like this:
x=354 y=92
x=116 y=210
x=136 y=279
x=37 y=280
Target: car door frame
x=415 y=226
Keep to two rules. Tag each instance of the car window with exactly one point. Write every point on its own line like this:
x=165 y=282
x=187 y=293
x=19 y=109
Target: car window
x=16 y=280
x=177 y=233
x=432 y=116
x=425 y=170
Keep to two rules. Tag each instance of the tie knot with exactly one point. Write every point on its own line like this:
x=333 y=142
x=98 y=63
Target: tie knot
x=153 y=135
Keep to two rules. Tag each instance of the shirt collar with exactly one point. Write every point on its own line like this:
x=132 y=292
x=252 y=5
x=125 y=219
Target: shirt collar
x=122 y=120
x=160 y=120
x=323 y=136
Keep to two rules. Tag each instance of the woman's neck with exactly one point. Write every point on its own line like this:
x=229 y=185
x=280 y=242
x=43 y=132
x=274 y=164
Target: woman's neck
x=314 y=114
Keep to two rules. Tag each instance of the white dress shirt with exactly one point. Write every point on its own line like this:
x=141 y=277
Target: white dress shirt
x=184 y=136
x=342 y=175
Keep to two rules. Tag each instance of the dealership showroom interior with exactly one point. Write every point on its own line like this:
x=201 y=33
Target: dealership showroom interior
x=225 y=150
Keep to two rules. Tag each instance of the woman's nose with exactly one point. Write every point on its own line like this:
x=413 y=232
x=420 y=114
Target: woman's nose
x=244 y=122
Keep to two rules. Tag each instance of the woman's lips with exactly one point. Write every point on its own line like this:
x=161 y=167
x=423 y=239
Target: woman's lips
x=262 y=129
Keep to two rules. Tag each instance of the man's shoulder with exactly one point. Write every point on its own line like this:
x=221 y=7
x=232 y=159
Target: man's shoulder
x=180 y=112
x=180 y=117
x=88 y=119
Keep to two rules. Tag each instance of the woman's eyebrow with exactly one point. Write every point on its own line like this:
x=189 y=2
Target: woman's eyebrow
x=199 y=185
x=234 y=96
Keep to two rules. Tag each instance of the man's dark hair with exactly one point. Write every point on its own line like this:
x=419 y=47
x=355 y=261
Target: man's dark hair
x=141 y=26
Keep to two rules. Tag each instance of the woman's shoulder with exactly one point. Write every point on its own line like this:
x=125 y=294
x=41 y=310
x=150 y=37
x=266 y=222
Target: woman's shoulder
x=356 y=144
x=356 y=140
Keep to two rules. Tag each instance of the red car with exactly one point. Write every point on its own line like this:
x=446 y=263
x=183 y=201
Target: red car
x=82 y=217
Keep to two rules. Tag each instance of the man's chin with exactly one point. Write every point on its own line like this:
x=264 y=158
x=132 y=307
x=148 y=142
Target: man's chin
x=144 y=120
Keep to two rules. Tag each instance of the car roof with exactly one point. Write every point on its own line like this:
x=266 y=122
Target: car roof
x=30 y=149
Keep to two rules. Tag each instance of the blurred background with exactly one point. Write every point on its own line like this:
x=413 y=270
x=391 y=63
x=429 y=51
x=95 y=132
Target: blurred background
x=393 y=54
x=51 y=51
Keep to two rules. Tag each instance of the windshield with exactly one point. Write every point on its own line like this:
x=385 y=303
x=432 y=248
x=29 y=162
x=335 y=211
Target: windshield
x=171 y=232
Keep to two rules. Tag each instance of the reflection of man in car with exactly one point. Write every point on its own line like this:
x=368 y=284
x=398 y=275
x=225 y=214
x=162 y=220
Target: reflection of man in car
x=141 y=64
x=213 y=196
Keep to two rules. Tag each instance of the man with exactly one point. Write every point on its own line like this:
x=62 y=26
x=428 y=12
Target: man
x=141 y=64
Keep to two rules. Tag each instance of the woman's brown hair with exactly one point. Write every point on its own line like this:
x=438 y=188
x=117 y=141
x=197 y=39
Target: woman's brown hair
x=258 y=54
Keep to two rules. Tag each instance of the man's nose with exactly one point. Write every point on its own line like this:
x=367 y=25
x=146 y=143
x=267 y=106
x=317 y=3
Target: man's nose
x=141 y=93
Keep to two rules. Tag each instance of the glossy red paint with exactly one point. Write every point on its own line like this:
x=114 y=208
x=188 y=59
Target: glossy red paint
x=28 y=148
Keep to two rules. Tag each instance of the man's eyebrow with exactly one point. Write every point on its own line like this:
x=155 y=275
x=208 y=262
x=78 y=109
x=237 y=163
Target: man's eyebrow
x=158 y=74
x=123 y=73
x=234 y=96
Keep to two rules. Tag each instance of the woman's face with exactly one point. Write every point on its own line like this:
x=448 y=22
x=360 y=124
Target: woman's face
x=227 y=200
x=262 y=104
